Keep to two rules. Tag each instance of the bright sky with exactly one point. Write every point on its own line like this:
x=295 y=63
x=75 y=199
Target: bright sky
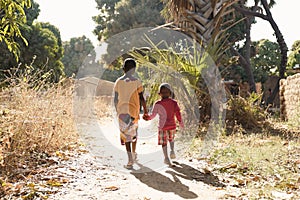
x=287 y=19
x=74 y=19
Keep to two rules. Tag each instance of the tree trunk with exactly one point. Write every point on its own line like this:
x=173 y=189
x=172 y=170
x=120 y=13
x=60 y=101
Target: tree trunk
x=247 y=65
x=282 y=45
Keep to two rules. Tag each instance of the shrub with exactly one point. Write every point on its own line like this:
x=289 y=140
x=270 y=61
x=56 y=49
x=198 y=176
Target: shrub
x=35 y=119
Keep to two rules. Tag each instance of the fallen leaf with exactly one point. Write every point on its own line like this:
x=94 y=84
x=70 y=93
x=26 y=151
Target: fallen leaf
x=229 y=166
x=230 y=196
x=54 y=183
x=277 y=177
x=241 y=182
x=256 y=178
x=291 y=186
x=112 y=188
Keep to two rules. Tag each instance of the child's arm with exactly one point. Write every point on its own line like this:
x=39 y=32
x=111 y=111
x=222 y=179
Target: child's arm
x=154 y=112
x=143 y=103
x=178 y=116
x=116 y=100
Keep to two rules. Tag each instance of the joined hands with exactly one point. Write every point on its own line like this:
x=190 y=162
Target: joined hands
x=146 y=117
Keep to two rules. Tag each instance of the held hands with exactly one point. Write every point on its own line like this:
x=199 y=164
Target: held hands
x=146 y=117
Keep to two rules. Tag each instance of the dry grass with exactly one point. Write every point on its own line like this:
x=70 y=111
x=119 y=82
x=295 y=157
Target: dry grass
x=260 y=165
x=104 y=107
x=35 y=121
x=257 y=157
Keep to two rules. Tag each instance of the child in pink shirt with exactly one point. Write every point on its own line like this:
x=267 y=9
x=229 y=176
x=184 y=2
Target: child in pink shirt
x=167 y=109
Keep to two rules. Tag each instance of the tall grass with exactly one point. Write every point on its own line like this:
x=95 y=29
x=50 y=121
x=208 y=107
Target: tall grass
x=35 y=119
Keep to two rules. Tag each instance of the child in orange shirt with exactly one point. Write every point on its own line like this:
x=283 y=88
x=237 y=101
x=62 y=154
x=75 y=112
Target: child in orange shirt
x=128 y=95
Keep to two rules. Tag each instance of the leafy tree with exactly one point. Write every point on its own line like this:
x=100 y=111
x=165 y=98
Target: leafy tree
x=106 y=16
x=118 y=16
x=294 y=56
x=13 y=18
x=44 y=47
x=45 y=43
x=264 y=13
x=267 y=59
x=75 y=51
x=266 y=5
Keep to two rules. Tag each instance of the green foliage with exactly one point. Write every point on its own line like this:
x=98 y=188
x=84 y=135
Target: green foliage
x=267 y=59
x=118 y=16
x=294 y=56
x=43 y=46
x=75 y=51
x=32 y=12
x=12 y=18
x=181 y=70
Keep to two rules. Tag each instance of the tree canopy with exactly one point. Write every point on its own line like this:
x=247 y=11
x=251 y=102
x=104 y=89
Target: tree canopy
x=75 y=51
x=13 y=18
x=118 y=16
x=267 y=59
x=294 y=56
x=43 y=46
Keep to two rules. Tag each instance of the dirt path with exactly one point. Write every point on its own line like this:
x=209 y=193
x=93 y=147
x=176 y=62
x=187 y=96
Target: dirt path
x=99 y=174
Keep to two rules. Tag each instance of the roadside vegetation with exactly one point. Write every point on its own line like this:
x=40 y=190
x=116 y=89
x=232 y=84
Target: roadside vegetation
x=256 y=156
x=261 y=162
x=36 y=124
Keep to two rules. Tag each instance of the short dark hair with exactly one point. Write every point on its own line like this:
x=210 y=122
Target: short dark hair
x=129 y=64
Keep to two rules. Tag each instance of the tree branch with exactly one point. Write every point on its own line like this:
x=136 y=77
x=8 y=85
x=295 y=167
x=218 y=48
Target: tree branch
x=250 y=13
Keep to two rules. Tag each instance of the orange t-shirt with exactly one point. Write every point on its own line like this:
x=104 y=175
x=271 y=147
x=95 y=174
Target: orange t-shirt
x=128 y=96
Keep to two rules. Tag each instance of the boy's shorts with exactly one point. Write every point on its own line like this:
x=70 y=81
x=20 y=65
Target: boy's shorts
x=166 y=135
x=128 y=128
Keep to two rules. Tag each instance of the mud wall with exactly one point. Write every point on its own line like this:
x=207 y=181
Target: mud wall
x=92 y=86
x=290 y=97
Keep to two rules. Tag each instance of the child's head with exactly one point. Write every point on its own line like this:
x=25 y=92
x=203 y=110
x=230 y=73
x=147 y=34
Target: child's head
x=129 y=64
x=165 y=90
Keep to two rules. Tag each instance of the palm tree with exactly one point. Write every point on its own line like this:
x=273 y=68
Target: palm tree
x=201 y=19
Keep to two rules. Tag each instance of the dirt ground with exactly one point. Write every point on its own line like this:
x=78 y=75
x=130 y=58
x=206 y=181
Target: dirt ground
x=99 y=173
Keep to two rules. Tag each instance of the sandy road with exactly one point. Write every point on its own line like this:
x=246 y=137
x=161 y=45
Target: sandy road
x=99 y=174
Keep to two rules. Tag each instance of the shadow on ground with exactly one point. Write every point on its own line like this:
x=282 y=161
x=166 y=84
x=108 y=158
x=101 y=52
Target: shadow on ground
x=187 y=172
x=163 y=183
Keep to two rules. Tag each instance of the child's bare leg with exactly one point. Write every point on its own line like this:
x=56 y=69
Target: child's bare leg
x=134 y=154
x=129 y=154
x=128 y=146
x=165 y=151
x=133 y=146
x=172 y=153
x=172 y=146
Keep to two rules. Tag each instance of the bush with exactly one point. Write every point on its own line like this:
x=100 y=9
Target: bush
x=35 y=119
x=245 y=112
